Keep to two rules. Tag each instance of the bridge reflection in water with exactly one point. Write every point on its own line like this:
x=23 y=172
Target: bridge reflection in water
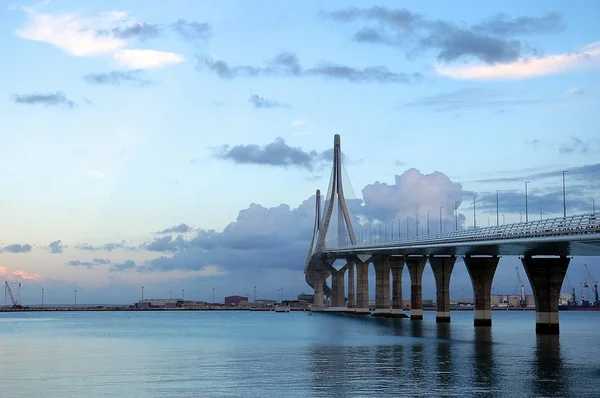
x=419 y=358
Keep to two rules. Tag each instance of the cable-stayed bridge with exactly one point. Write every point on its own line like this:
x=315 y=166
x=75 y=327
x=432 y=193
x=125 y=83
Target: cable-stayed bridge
x=545 y=247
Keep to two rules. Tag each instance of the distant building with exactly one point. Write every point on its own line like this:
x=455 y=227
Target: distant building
x=236 y=300
x=159 y=303
x=306 y=298
x=265 y=302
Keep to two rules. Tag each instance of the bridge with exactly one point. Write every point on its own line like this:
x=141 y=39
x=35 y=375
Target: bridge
x=545 y=248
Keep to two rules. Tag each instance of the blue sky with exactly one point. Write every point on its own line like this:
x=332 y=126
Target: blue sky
x=122 y=119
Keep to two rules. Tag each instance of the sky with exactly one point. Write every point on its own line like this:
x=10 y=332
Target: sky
x=178 y=146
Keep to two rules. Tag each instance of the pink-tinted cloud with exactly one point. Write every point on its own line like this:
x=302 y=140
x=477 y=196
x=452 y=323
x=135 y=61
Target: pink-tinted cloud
x=2 y=270
x=524 y=68
x=25 y=275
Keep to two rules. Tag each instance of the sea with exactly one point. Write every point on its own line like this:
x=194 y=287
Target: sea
x=268 y=354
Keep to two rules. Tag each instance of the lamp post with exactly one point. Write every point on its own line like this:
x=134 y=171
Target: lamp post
x=521 y=216
x=526 y=212
x=182 y=290
x=75 y=297
x=541 y=214
x=42 y=297
x=170 y=294
x=594 y=206
x=407 y=232
x=142 y=292
x=497 y=207
x=441 y=207
x=456 y=215
x=213 y=295
x=254 y=294
x=392 y=229
x=474 y=218
x=427 y=222
x=564 y=194
x=417 y=224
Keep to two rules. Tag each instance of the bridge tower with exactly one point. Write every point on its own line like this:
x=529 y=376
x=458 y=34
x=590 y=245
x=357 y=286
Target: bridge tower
x=318 y=268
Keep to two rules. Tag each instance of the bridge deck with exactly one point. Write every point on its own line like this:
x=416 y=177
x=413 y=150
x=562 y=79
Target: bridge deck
x=575 y=235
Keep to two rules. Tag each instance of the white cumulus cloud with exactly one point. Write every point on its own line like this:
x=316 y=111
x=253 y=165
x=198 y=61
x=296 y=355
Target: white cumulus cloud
x=73 y=34
x=146 y=59
x=524 y=68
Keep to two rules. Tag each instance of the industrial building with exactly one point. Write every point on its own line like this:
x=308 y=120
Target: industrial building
x=512 y=300
x=236 y=300
x=168 y=303
x=306 y=298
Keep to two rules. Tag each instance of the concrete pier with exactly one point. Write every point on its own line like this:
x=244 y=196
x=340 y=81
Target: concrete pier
x=362 y=288
x=318 y=298
x=351 y=283
x=482 y=270
x=338 y=294
x=416 y=265
x=397 y=265
x=382 y=286
x=442 y=270
x=546 y=276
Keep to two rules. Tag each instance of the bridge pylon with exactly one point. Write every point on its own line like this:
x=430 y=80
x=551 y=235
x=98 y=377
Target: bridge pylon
x=319 y=267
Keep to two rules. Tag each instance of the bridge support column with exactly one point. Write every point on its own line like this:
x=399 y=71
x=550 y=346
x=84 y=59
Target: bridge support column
x=546 y=277
x=482 y=270
x=397 y=265
x=442 y=269
x=416 y=265
x=318 y=297
x=338 y=296
x=382 y=286
x=362 y=288
x=350 y=283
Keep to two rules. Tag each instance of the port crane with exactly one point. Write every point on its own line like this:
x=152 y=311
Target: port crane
x=589 y=282
x=522 y=287
x=573 y=300
x=15 y=303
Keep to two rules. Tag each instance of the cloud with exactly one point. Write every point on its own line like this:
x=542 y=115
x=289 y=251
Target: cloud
x=124 y=266
x=277 y=153
x=265 y=103
x=501 y=24
x=467 y=99
x=115 y=78
x=16 y=248
x=108 y=247
x=50 y=99
x=192 y=30
x=180 y=229
x=142 y=31
x=299 y=122
x=286 y=64
x=575 y=91
x=89 y=264
x=147 y=59
x=3 y=270
x=25 y=275
x=414 y=32
x=73 y=34
x=94 y=174
x=524 y=68
x=56 y=247
x=575 y=145
x=167 y=244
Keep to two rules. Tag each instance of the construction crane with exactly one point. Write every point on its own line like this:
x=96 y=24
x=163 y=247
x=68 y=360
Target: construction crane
x=592 y=284
x=15 y=303
x=573 y=300
x=522 y=301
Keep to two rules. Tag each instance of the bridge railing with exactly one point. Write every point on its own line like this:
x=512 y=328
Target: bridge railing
x=560 y=226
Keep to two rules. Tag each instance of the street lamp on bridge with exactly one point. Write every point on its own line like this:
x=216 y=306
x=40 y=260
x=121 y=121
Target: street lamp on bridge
x=441 y=207
x=456 y=215
x=417 y=224
x=564 y=194
x=526 y=212
x=474 y=217
x=427 y=222
x=497 y=208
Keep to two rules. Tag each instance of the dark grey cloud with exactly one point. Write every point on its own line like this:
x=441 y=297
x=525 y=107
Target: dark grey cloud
x=57 y=98
x=575 y=145
x=265 y=103
x=88 y=264
x=16 y=248
x=277 y=153
x=56 y=247
x=116 y=77
x=177 y=229
x=141 y=31
x=468 y=99
x=286 y=64
x=503 y=25
x=108 y=247
x=192 y=30
x=167 y=244
x=124 y=266
x=490 y=41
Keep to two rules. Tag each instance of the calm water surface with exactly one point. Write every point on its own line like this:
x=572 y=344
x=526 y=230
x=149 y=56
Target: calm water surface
x=267 y=354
